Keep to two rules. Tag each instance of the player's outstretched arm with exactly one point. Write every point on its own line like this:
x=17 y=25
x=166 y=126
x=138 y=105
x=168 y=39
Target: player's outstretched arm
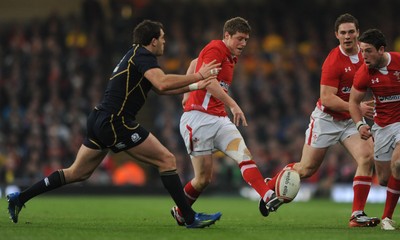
x=164 y=82
x=202 y=84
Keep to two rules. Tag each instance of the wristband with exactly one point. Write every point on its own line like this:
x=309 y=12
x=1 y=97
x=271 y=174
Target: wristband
x=193 y=86
x=360 y=124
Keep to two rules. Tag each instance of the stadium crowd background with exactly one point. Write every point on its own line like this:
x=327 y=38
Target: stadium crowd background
x=54 y=68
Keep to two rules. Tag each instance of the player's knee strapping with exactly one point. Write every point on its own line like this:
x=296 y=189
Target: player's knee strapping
x=238 y=150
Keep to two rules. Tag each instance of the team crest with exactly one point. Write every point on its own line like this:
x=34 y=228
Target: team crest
x=135 y=137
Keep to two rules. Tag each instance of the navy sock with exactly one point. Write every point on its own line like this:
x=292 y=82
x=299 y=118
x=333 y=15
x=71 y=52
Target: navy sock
x=173 y=184
x=53 y=181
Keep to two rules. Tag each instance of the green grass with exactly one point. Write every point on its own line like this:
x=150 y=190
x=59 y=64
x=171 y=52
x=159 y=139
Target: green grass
x=104 y=217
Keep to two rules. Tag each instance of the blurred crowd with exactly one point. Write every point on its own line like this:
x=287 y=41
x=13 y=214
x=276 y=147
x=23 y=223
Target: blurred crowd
x=54 y=70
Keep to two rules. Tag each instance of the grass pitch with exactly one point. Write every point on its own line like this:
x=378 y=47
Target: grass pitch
x=129 y=217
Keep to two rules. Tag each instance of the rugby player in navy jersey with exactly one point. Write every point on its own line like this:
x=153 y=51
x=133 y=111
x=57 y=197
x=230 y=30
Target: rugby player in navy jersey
x=112 y=124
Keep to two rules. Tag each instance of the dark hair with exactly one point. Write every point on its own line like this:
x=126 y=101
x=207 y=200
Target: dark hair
x=145 y=31
x=346 y=18
x=235 y=25
x=374 y=37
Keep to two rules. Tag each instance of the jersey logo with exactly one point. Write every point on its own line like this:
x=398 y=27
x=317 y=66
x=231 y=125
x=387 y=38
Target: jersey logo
x=224 y=85
x=373 y=81
x=120 y=145
x=385 y=99
x=46 y=182
x=397 y=74
x=347 y=69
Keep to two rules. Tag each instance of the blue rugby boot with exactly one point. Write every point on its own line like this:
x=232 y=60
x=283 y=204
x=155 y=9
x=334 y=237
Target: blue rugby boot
x=14 y=206
x=202 y=220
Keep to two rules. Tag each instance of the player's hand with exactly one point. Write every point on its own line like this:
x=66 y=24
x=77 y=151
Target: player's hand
x=365 y=132
x=210 y=69
x=367 y=109
x=238 y=116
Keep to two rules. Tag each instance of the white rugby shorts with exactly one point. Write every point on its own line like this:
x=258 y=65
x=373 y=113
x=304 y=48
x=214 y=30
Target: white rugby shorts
x=204 y=133
x=385 y=140
x=323 y=131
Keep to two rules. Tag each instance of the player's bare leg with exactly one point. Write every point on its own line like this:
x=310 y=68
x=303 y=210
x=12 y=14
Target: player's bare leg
x=86 y=162
x=362 y=151
x=310 y=162
x=389 y=175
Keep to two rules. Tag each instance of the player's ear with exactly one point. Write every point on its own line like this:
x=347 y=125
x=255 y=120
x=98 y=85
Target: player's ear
x=226 y=35
x=381 y=49
x=336 y=34
x=154 y=42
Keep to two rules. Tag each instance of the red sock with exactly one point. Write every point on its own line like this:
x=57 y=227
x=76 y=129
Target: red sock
x=392 y=196
x=251 y=174
x=191 y=193
x=361 y=187
x=271 y=183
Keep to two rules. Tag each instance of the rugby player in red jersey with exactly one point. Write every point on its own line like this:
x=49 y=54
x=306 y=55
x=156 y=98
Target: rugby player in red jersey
x=205 y=125
x=330 y=122
x=381 y=75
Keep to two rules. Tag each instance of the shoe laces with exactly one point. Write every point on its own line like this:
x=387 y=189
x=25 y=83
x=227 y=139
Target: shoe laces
x=388 y=220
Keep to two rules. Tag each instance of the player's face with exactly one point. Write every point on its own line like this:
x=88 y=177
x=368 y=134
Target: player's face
x=347 y=35
x=372 y=57
x=236 y=42
x=159 y=44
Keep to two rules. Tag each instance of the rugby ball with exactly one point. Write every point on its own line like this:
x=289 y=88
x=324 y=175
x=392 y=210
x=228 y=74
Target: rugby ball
x=287 y=185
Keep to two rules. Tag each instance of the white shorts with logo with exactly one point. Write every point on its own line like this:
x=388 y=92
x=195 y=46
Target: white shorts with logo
x=385 y=140
x=323 y=131
x=204 y=133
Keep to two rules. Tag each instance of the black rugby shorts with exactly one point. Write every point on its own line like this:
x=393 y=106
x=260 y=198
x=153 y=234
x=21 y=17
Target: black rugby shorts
x=106 y=130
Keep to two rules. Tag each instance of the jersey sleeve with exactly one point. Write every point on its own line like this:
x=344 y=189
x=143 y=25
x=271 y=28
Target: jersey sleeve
x=360 y=81
x=146 y=62
x=213 y=53
x=330 y=74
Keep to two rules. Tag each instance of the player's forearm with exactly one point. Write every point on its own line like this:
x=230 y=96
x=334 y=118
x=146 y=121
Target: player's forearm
x=355 y=111
x=164 y=82
x=180 y=90
x=179 y=83
x=217 y=92
x=355 y=105
x=335 y=103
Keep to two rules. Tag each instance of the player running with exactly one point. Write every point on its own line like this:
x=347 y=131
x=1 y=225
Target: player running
x=330 y=122
x=112 y=124
x=381 y=75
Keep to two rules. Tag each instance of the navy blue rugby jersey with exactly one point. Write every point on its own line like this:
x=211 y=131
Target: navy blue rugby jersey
x=127 y=88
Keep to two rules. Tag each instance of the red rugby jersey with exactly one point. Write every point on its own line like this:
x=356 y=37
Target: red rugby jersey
x=202 y=100
x=385 y=86
x=338 y=71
